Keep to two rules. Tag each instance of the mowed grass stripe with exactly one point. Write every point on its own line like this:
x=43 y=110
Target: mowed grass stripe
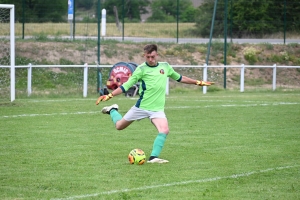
x=70 y=154
x=234 y=176
x=167 y=107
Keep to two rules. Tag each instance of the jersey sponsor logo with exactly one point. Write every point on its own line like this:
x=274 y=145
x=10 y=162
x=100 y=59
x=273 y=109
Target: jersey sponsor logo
x=162 y=71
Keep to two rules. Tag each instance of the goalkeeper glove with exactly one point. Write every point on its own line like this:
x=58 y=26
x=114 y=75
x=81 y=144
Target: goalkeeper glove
x=204 y=83
x=104 y=98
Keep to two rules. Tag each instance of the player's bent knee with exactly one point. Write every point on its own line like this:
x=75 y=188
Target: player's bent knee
x=122 y=124
x=119 y=127
x=165 y=131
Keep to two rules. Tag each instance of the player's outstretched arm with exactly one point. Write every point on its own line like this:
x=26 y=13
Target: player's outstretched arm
x=188 y=80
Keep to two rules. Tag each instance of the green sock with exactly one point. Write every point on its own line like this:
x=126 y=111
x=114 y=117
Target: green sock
x=158 y=144
x=115 y=116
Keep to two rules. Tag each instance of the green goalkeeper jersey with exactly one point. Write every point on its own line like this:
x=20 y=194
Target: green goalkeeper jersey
x=153 y=80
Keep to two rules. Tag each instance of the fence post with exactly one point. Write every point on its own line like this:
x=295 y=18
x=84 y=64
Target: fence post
x=29 y=79
x=167 y=87
x=274 y=77
x=242 y=81
x=205 y=77
x=103 y=22
x=85 y=79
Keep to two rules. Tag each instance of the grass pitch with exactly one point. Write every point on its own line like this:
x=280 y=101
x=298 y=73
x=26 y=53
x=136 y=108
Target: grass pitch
x=222 y=145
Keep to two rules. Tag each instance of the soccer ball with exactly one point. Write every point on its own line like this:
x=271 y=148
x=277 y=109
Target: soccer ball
x=137 y=156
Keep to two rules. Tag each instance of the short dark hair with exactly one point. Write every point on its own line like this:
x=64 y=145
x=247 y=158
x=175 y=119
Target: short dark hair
x=149 y=48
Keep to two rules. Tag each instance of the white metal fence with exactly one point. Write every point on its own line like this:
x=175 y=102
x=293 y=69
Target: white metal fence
x=204 y=68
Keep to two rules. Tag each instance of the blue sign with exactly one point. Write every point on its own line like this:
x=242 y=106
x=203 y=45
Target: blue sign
x=70 y=9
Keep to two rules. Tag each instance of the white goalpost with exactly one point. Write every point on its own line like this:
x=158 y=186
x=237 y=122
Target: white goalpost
x=7 y=43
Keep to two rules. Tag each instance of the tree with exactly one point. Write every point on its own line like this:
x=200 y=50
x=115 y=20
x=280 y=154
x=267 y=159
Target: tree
x=86 y=4
x=292 y=14
x=50 y=10
x=252 y=17
x=204 y=18
x=133 y=9
x=166 y=11
x=255 y=17
x=39 y=10
x=188 y=15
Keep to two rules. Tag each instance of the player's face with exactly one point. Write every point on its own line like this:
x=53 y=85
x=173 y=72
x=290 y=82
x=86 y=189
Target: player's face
x=151 y=58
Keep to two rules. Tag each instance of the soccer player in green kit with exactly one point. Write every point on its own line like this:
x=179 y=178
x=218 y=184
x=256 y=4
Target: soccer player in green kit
x=152 y=76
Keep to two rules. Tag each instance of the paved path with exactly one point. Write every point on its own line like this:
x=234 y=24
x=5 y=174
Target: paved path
x=199 y=40
x=185 y=40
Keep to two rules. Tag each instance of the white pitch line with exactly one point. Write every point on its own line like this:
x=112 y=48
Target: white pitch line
x=49 y=114
x=234 y=176
x=235 y=105
x=58 y=100
x=171 y=107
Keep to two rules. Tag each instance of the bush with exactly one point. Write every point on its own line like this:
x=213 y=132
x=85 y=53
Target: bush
x=250 y=55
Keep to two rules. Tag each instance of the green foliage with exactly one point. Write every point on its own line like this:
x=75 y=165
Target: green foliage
x=187 y=47
x=188 y=14
x=231 y=50
x=166 y=11
x=254 y=82
x=87 y=19
x=274 y=58
x=236 y=78
x=282 y=57
x=293 y=45
x=64 y=61
x=268 y=46
x=204 y=17
x=132 y=8
x=4 y=60
x=86 y=4
x=250 y=54
x=183 y=51
x=248 y=18
x=40 y=37
x=285 y=56
x=292 y=15
x=202 y=49
x=110 y=52
x=252 y=17
x=39 y=10
x=161 y=16
x=24 y=61
x=218 y=46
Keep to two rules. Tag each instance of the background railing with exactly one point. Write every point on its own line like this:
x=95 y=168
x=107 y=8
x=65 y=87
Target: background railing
x=69 y=80
x=41 y=22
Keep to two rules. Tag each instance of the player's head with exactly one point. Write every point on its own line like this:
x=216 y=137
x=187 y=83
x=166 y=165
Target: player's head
x=150 y=54
x=149 y=48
